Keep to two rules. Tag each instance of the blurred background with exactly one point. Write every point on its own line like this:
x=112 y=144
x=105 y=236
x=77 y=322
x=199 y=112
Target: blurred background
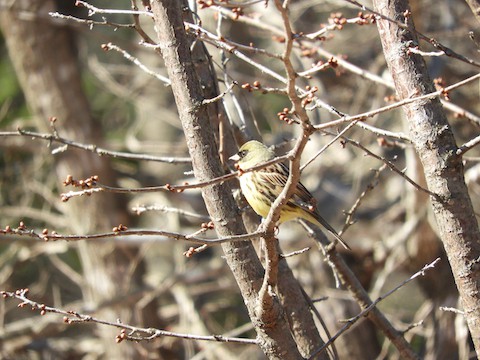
x=55 y=67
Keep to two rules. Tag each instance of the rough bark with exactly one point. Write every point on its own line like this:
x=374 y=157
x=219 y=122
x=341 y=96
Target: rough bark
x=274 y=338
x=297 y=309
x=435 y=145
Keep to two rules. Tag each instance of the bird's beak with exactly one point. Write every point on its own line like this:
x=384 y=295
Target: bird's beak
x=235 y=157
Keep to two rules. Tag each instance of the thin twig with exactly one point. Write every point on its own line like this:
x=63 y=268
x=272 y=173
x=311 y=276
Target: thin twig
x=398 y=104
x=415 y=50
x=389 y=84
x=371 y=185
x=97 y=187
x=89 y=22
x=54 y=137
x=338 y=136
x=133 y=59
x=451 y=309
x=469 y=145
x=294 y=253
x=92 y=10
x=367 y=310
x=139 y=209
x=135 y=333
x=390 y=165
x=53 y=236
x=138 y=26
x=220 y=96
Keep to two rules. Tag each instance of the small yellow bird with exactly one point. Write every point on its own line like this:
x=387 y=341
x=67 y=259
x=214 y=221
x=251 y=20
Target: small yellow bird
x=262 y=187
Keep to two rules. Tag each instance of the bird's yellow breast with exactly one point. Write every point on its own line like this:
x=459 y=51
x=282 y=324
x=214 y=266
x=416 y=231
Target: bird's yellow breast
x=259 y=203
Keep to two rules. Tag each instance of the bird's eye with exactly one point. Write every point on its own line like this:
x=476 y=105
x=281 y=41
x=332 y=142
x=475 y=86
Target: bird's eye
x=242 y=153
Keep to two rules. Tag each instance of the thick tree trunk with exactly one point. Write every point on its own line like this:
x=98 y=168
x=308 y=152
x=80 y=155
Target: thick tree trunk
x=297 y=309
x=275 y=338
x=435 y=145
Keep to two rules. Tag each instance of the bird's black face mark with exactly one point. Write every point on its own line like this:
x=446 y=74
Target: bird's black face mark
x=242 y=154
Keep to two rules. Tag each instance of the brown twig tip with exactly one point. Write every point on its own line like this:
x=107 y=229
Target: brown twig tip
x=247 y=86
x=441 y=85
x=119 y=228
x=283 y=116
x=190 y=252
x=87 y=183
x=46 y=237
x=307 y=100
x=365 y=19
x=22 y=292
x=338 y=20
x=106 y=47
x=204 y=4
x=240 y=171
x=195 y=250
x=238 y=11
x=68 y=180
x=122 y=336
x=333 y=62
x=208 y=226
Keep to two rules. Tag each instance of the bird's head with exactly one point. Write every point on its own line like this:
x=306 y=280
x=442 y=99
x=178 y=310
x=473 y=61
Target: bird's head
x=252 y=153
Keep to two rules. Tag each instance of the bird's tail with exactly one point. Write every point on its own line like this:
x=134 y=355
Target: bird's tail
x=331 y=230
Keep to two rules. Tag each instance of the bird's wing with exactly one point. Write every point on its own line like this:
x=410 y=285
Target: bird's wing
x=278 y=175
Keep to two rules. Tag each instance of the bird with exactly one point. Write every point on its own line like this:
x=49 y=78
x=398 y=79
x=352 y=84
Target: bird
x=261 y=187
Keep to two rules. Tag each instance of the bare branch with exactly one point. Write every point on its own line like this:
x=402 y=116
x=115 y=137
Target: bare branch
x=54 y=236
x=139 y=209
x=92 y=10
x=370 y=186
x=390 y=165
x=134 y=333
x=468 y=146
x=91 y=186
x=54 y=137
x=133 y=59
x=367 y=310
